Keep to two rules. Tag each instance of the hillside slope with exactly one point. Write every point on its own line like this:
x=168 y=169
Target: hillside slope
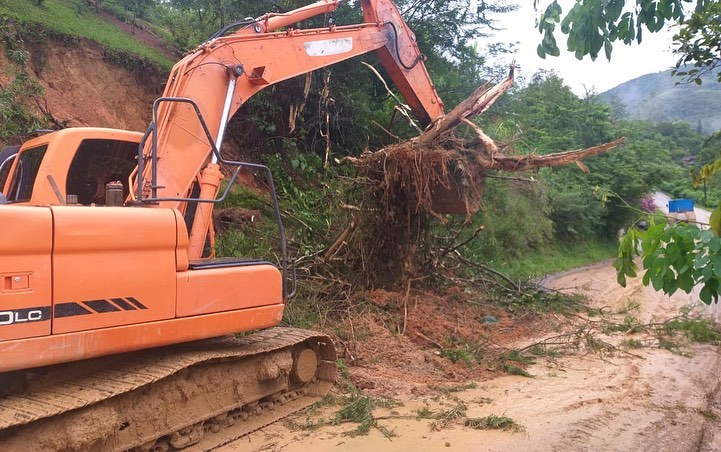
x=76 y=19
x=660 y=97
x=82 y=88
x=103 y=77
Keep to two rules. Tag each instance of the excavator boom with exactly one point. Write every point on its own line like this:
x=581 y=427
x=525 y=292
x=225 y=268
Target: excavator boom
x=228 y=70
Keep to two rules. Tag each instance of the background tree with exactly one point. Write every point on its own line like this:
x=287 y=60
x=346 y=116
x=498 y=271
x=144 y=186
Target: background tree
x=683 y=256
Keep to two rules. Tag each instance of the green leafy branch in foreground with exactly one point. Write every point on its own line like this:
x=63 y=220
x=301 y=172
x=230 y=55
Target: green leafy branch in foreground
x=674 y=257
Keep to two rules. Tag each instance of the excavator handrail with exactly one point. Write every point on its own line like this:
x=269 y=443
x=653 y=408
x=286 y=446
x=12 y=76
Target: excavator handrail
x=152 y=132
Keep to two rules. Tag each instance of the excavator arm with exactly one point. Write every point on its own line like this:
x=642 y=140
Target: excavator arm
x=212 y=82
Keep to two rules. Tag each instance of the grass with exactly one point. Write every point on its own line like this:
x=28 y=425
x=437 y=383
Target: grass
x=448 y=390
x=701 y=331
x=557 y=258
x=493 y=422
x=445 y=418
x=73 y=18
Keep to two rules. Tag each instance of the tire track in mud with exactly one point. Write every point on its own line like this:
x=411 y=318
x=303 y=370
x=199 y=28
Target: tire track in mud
x=660 y=397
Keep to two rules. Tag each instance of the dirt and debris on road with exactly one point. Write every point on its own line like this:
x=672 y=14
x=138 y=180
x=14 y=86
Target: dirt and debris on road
x=619 y=390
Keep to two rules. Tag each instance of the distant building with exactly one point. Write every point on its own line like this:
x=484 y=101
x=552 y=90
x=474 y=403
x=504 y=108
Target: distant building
x=689 y=160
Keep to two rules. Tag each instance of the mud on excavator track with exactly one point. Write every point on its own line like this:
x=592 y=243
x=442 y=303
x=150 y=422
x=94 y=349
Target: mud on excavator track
x=203 y=394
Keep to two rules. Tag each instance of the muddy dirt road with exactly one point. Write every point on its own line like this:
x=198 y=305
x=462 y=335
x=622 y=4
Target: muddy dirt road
x=624 y=399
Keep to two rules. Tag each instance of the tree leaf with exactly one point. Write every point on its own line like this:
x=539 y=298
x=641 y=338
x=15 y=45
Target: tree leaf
x=705 y=295
x=608 y=48
x=715 y=221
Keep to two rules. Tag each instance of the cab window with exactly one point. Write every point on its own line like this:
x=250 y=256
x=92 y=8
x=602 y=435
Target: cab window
x=5 y=166
x=26 y=171
x=97 y=162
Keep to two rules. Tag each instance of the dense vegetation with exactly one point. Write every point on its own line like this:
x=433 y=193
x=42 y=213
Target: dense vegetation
x=535 y=224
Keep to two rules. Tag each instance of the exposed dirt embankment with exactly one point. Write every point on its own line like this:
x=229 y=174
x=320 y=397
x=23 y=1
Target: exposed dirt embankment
x=84 y=87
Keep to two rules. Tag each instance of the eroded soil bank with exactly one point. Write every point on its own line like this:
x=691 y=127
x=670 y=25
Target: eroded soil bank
x=618 y=391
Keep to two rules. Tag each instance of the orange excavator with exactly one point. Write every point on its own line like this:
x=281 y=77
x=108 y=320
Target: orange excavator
x=114 y=314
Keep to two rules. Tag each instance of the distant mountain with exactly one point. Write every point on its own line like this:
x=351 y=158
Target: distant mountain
x=660 y=97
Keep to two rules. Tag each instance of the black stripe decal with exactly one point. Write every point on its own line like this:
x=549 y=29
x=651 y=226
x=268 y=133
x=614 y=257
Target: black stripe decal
x=124 y=305
x=101 y=306
x=137 y=304
x=69 y=310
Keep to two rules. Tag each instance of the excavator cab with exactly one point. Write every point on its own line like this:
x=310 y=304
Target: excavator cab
x=71 y=166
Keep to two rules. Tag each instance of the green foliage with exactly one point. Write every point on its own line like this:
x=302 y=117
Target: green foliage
x=493 y=422
x=575 y=212
x=679 y=257
x=699 y=42
x=593 y=26
x=358 y=408
x=541 y=301
x=697 y=330
x=515 y=370
x=16 y=114
x=515 y=222
x=558 y=256
x=551 y=119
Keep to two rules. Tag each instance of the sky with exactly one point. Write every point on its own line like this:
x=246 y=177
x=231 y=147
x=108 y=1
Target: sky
x=627 y=62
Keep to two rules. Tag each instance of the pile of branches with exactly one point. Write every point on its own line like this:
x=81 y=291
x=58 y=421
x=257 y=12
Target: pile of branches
x=436 y=173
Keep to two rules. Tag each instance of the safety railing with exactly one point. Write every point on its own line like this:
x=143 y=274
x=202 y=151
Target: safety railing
x=152 y=159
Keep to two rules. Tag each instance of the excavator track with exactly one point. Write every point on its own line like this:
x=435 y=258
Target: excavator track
x=200 y=395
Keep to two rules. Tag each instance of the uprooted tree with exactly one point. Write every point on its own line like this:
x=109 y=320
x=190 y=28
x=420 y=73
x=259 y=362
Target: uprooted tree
x=406 y=185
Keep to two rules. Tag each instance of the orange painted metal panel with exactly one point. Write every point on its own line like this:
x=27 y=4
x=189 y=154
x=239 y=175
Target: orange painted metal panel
x=112 y=266
x=181 y=249
x=61 y=348
x=415 y=84
x=223 y=289
x=25 y=271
